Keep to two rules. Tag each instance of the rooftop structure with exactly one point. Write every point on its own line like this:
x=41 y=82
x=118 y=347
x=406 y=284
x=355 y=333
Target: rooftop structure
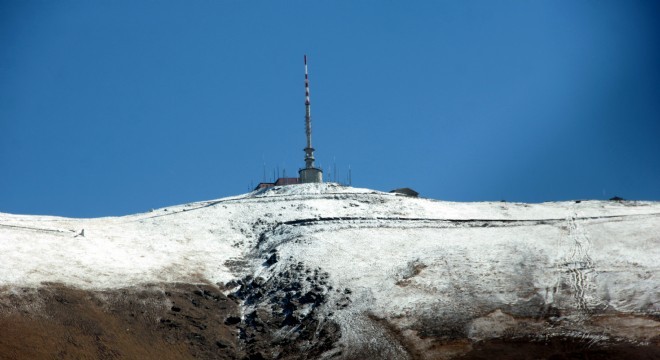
x=279 y=182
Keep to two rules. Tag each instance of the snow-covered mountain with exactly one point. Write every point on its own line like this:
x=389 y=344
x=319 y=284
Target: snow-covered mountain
x=327 y=271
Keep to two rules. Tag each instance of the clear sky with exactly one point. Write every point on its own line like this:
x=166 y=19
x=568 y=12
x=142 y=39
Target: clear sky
x=116 y=107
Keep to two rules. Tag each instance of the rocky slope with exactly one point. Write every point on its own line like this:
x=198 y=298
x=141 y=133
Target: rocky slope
x=325 y=271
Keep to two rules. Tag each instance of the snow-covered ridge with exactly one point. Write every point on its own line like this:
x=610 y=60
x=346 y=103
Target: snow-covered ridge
x=371 y=261
x=194 y=242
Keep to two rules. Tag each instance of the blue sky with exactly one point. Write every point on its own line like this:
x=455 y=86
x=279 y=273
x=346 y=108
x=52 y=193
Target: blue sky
x=116 y=107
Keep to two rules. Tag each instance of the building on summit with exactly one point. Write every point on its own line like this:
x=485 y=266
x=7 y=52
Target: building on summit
x=280 y=182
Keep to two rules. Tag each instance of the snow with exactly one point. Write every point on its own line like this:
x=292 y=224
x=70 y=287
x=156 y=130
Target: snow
x=191 y=242
x=115 y=252
x=398 y=255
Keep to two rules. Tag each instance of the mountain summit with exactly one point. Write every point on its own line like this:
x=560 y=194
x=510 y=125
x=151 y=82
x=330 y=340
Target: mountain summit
x=328 y=271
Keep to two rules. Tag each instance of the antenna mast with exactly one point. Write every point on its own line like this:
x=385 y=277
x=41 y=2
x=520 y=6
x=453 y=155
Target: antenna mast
x=309 y=150
x=310 y=174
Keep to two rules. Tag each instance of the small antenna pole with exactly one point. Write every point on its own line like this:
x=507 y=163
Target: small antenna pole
x=334 y=160
x=350 y=183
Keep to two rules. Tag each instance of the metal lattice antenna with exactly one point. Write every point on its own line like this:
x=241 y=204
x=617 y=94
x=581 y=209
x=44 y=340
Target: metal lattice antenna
x=309 y=150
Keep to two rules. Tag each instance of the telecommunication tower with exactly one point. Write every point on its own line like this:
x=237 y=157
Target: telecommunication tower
x=310 y=174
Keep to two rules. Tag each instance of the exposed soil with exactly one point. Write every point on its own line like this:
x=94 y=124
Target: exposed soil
x=164 y=321
x=183 y=321
x=559 y=349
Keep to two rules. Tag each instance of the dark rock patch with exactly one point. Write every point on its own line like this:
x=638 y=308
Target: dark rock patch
x=232 y=320
x=284 y=320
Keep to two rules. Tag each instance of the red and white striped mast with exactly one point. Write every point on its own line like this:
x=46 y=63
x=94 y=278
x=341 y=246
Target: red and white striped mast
x=309 y=150
x=310 y=174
